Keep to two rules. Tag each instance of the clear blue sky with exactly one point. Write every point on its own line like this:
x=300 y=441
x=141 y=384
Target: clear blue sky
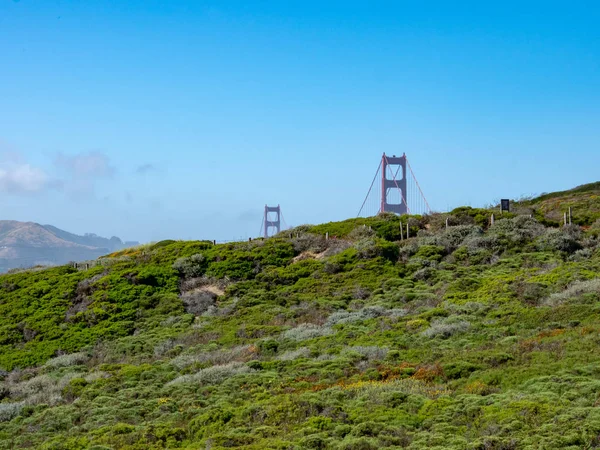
x=181 y=119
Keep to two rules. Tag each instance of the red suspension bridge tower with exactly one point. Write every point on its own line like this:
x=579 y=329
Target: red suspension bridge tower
x=397 y=191
x=396 y=185
x=271 y=223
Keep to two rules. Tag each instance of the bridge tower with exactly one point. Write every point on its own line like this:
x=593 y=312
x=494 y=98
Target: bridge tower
x=394 y=189
x=393 y=184
x=270 y=222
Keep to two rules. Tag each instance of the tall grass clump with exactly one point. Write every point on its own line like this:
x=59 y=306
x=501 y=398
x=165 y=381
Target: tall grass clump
x=73 y=359
x=42 y=389
x=9 y=411
x=306 y=331
x=369 y=352
x=576 y=291
x=369 y=312
x=290 y=355
x=445 y=328
x=240 y=353
x=212 y=375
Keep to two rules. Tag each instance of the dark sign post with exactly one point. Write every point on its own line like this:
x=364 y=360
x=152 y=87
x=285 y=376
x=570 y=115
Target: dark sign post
x=505 y=205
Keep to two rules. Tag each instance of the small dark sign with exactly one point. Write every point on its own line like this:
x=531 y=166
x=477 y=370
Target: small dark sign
x=505 y=204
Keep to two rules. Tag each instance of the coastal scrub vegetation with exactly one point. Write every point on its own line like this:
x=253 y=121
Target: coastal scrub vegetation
x=471 y=336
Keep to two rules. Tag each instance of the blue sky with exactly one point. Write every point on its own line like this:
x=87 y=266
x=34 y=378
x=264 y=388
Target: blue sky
x=180 y=119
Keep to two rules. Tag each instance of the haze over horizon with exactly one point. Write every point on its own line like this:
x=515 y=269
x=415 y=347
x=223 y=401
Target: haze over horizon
x=150 y=120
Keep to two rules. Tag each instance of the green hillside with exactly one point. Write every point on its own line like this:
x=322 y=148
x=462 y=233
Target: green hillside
x=584 y=202
x=466 y=337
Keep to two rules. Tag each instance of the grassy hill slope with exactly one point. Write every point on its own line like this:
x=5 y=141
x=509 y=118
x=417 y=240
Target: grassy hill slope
x=584 y=201
x=469 y=336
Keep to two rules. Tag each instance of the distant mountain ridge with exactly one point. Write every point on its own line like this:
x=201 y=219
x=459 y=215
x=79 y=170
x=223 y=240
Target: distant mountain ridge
x=25 y=244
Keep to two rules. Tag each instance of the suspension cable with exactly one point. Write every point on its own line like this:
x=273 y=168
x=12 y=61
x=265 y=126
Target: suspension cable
x=420 y=190
x=283 y=219
x=368 y=193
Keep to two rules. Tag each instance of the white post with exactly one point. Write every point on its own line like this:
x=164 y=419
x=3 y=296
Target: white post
x=401 y=232
x=492 y=219
x=570 y=223
x=407 y=230
x=565 y=219
x=327 y=236
x=446 y=222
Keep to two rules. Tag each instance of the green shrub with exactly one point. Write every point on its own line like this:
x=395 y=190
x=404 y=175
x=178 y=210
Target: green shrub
x=514 y=233
x=361 y=443
x=315 y=441
x=460 y=369
x=210 y=421
x=198 y=301
x=192 y=266
x=268 y=346
x=370 y=248
x=559 y=240
x=431 y=252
